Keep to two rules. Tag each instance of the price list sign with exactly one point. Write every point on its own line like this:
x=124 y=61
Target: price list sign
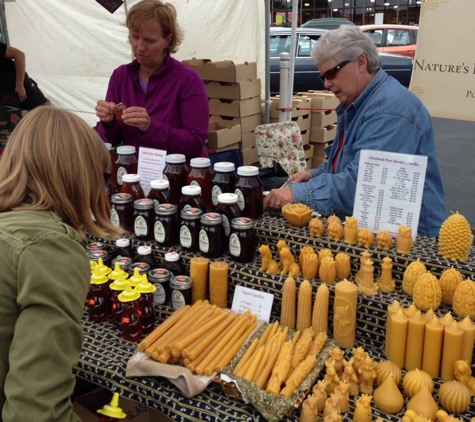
x=389 y=190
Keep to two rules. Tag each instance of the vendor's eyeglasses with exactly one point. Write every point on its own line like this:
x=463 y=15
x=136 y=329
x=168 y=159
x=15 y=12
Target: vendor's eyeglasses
x=330 y=74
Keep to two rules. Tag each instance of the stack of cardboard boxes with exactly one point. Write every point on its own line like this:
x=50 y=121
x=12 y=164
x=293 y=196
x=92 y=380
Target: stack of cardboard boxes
x=314 y=112
x=234 y=94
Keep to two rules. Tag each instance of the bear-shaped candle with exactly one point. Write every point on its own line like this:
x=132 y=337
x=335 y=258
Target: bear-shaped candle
x=344 y=313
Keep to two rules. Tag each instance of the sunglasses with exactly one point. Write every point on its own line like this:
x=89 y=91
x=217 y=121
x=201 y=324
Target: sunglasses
x=330 y=74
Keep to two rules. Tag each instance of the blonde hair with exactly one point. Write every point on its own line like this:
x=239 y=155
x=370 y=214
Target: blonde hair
x=54 y=161
x=163 y=14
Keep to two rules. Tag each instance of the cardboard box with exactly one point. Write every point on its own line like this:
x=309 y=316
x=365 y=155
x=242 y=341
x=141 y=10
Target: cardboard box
x=9 y=117
x=220 y=136
x=319 y=149
x=303 y=121
x=237 y=146
x=297 y=104
x=223 y=71
x=248 y=140
x=323 y=118
x=235 y=108
x=233 y=90
x=305 y=134
x=250 y=156
x=247 y=123
x=86 y=407
x=316 y=161
x=308 y=151
x=323 y=134
x=323 y=100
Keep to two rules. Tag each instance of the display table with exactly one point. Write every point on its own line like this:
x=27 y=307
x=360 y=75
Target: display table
x=105 y=354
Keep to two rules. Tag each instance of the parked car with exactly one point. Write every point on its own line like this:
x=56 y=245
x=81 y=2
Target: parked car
x=306 y=73
x=397 y=39
x=326 y=23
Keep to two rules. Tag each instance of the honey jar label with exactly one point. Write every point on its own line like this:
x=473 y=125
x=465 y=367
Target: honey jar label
x=185 y=237
x=140 y=226
x=159 y=232
x=234 y=245
x=204 y=241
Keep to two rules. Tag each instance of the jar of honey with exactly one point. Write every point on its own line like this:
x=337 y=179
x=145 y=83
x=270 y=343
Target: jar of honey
x=123 y=248
x=191 y=198
x=212 y=235
x=160 y=278
x=176 y=172
x=113 y=167
x=126 y=162
x=160 y=192
x=172 y=263
x=167 y=225
x=190 y=228
x=144 y=219
x=249 y=189
x=200 y=174
x=242 y=241
x=223 y=181
x=181 y=291
x=131 y=184
x=136 y=270
x=229 y=209
x=145 y=255
x=122 y=211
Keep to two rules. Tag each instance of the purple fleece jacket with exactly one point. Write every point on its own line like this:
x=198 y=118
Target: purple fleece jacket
x=176 y=101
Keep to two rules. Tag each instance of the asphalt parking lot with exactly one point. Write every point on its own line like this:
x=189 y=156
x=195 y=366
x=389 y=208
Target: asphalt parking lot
x=455 y=143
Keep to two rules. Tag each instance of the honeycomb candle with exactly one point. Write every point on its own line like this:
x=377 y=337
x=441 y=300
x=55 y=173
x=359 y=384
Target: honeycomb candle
x=344 y=313
x=218 y=283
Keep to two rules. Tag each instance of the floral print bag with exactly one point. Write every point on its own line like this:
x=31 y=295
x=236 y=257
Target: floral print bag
x=280 y=142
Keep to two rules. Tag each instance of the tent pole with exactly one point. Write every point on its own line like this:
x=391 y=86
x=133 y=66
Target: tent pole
x=267 y=62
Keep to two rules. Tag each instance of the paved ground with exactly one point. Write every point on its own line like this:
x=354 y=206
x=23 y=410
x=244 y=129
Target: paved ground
x=455 y=142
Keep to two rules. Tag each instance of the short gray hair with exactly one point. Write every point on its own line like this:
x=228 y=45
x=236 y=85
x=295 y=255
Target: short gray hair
x=346 y=43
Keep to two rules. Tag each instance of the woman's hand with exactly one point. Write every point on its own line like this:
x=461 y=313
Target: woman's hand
x=301 y=176
x=138 y=117
x=105 y=111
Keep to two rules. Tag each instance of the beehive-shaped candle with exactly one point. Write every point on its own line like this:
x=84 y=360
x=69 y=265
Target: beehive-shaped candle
x=455 y=238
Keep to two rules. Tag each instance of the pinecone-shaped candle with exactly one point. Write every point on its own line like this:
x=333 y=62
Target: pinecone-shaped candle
x=455 y=238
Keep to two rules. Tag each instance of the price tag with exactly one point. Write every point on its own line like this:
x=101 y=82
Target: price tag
x=259 y=303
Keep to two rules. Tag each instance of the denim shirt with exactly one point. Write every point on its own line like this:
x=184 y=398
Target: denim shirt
x=387 y=117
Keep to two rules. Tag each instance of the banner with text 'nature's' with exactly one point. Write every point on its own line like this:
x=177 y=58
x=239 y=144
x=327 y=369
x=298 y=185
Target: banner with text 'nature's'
x=444 y=67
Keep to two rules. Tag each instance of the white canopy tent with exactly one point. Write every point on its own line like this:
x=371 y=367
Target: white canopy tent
x=73 y=46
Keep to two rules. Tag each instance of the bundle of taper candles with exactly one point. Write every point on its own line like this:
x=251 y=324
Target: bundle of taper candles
x=202 y=337
x=424 y=341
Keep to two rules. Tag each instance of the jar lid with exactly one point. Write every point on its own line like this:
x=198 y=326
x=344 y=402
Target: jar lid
x=144 y=250
x=95 y=246
x=175 y=158
x=211 y=218
x=131 y=178
x=181 y=282
x=124 y=262
x=191 y=213
x=172 y=256
x=224 y=166
x=227 y=198
x=159 y=184
x=123 y=242
x=191 y=190
x=121 y=198
x=95 y=255
x=165 y=209
x=129 y=295
x=242 y=223
x=200 y=162
x=159 y=274
x=248 y=171
x=126 y=149
x=108 y=146
x=141 y=267
x=144 y=204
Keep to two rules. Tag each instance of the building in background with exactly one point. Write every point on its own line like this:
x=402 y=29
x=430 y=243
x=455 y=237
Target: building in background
x=360 y=12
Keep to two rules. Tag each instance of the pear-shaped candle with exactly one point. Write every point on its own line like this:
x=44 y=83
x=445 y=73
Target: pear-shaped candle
x=423 y=404
x=387 y=396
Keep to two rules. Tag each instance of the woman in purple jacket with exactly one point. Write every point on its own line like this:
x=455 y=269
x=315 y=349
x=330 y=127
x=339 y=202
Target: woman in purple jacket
x=166 y=105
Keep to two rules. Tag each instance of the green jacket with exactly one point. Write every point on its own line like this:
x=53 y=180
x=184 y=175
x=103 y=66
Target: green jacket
x=44 y=280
